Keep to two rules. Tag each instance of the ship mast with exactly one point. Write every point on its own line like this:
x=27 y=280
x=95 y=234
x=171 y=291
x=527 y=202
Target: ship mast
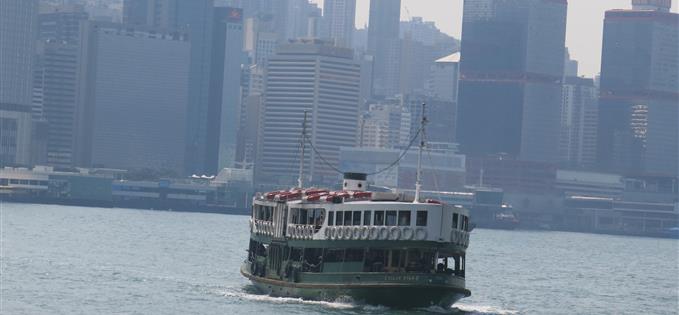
x=300 y=179
x=418 y=181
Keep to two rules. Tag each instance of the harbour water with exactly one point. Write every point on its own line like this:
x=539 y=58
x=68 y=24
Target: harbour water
x=80 y=260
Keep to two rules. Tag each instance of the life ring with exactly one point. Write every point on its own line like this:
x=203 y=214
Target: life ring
x=421 y=234
x=347 y=233
x=326 y=232
x=310 y=232
x=338 y=233
x=408 y=233
x=364 y=232
x=373 y=233
x=331 y=232
x=394 y=233
x=356 y=233
x=384 y=233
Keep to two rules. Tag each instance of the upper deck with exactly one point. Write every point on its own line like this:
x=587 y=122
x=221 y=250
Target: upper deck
x=341 y=216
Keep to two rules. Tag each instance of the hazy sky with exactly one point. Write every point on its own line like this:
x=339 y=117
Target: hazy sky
x=583 y=35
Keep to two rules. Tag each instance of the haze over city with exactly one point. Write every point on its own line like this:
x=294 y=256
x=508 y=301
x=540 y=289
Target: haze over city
x=339 y=156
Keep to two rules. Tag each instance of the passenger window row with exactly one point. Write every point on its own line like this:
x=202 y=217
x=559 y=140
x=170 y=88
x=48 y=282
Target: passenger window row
x=377 y=217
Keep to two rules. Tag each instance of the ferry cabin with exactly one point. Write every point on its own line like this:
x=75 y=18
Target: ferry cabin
x=293 y=240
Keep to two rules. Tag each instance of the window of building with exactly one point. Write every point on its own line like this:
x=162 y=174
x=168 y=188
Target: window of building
x=379 y=217
x=404 y=218
x=421 y=218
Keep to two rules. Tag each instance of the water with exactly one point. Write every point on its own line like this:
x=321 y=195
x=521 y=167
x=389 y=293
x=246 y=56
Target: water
x=72 y=260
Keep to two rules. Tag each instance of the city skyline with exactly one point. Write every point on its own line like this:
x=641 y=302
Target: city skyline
x=584 y=30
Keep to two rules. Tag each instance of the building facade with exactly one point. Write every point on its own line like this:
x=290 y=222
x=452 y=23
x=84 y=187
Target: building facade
x=579 y=117
x=18 y=20
x=638 y=129
x=134 y=97
x=384 y=45
x=511 y=71
x=339 y=18
x=323 y=80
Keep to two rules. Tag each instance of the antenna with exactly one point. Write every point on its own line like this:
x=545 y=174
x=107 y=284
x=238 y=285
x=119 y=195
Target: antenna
x=300 y=179
x=418 y=181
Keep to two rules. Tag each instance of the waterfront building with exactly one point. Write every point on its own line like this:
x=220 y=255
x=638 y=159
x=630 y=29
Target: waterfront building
x=339 y=17
x=18 y=24
x=443 y=82
x=385 y=125
x=225 y=80
x=511 y=71
x=134 y=93
x=579 y=110
x=313 y=76
x=56 y=81
x=384 y=46
x=196 y=18
x=638 y=130
x=443 y=169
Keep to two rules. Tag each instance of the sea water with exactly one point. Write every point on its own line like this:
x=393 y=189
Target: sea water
x=81 y=260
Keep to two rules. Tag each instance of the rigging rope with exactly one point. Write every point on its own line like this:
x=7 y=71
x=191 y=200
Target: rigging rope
x=400 y=157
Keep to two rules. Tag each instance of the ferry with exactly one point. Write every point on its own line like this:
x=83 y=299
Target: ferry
x=380 y=248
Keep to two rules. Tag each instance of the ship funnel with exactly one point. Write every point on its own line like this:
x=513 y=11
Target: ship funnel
x=354 y=181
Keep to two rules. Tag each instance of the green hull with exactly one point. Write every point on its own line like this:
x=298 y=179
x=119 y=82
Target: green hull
x=406 y=291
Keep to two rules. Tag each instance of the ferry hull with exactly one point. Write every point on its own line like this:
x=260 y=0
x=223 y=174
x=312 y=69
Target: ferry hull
x=391 y=295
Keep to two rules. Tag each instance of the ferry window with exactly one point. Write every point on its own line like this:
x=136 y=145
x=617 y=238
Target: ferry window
x=331 y=218
x=303 y=216
x=366 y=217
x=294 y=215
x=404 y=218
x=318 y=218
x=455 y=219
x=466 y=223
x=379 y=217
x=339 y=218
x=334 y=255
x=354 y=255
x=391 y=218
x=347 y=217
x=421 y=218
x=357 y=218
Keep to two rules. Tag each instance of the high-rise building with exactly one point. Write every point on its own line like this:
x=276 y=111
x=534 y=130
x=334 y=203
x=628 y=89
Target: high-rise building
x=385 y=125
x=579 y=110
x=133 y=93
x=18 y=19
x=312 y=76
x=56 y=81
x=443 y=82
x=510 y=78
x=384 y=46
x=339 y=17
x=225 y=100
x=639 y=96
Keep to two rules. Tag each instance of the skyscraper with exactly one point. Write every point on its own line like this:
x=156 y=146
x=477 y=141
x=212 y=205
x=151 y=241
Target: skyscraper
x=133 y=95
x=307 y=75
x=579 y=110
x=510 y=78
x=56 y=80
x=384 y=46
x=640 y=90
x=225 y=81
x=339 y=17
x=17 y=43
